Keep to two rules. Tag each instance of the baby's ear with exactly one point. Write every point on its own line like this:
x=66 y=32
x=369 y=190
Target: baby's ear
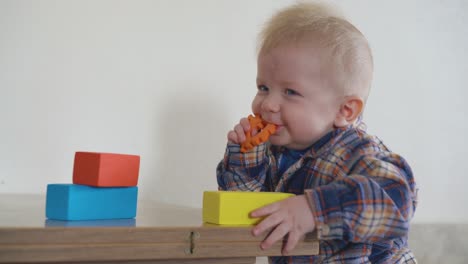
x=349 y=111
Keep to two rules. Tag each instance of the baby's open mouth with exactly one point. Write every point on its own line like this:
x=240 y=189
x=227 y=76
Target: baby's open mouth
x=278 y=128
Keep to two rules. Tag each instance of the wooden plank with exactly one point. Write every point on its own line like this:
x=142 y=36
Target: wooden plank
x=92 y=252
x=239 y=241
x=96 y=244
x=93 y=235
x=219 y=233
x=92 y=248
x=241 y=260
x=172 y=235
x=78 y=235
x=244 y=249
x=117 y=252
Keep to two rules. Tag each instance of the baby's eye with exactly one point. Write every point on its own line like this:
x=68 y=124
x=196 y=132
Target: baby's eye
x=291 y=92
x=262 y=88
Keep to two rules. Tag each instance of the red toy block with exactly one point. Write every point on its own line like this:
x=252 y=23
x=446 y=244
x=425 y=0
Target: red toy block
x=106 y=169
x=265 y=130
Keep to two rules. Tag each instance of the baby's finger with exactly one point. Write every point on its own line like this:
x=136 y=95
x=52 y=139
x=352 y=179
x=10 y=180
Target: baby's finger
x=254 y=132
x=278 y=234
x=269 y=222
x=245 y=124
x=239 y=130
x=265 y=210
x=232 y=137
x=293 y=239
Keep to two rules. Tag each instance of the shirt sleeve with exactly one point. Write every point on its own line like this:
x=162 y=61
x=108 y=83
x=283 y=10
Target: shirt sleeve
x=376 y=200
x=243 y=171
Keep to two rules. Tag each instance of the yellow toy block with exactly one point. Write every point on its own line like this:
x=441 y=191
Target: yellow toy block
x=233 y=208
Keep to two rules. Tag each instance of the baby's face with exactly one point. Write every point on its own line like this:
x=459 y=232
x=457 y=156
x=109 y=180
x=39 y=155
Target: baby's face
x=295 y=91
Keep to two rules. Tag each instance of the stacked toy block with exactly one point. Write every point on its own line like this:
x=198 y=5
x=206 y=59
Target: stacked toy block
x=234 y=208
x=104 y=187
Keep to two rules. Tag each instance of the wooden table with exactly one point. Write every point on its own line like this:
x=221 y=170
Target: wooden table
x=161 y=233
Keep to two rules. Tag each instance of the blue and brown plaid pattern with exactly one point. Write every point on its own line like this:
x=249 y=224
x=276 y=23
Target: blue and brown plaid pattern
x=362 y=195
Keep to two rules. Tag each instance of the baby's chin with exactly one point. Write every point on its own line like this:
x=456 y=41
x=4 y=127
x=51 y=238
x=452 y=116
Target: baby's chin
x=279 y=139
x=284 y=140
x=276 y=140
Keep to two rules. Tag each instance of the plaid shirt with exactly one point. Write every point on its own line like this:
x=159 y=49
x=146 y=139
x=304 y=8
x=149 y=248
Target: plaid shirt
x=361 y=195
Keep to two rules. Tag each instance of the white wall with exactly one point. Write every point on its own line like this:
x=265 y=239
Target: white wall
x=167 y=79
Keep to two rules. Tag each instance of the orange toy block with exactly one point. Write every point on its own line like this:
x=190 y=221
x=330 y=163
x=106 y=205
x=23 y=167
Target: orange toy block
x=106 y=169
x=265 y=131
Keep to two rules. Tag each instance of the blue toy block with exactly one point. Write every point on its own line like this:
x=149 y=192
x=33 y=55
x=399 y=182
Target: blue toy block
x=92 y=223
x=80 y=202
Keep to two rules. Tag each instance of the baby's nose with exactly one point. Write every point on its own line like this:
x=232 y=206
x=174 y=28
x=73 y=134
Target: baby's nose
x=271 y=104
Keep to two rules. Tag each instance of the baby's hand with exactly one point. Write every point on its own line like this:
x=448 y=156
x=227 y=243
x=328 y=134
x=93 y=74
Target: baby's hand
x=237 y=135
x=291 y=217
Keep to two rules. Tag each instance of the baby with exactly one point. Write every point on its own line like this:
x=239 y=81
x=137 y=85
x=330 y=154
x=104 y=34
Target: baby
x=314 y=73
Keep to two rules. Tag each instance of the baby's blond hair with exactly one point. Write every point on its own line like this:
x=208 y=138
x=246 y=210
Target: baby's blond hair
x=324 y=25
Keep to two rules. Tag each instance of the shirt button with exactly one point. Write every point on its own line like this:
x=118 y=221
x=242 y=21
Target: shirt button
x=325 y=230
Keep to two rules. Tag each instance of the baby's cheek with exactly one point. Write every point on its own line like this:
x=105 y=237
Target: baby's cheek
x=305 y=130
x=256 y=106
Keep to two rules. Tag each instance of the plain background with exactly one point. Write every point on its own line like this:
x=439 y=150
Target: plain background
x=166 y=80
